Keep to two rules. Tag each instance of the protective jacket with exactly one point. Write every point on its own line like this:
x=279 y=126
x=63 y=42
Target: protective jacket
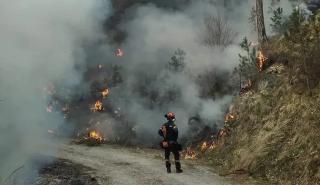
x=169 y=132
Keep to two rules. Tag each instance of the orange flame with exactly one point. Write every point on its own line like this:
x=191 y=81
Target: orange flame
x=206 y=146
x=223 y=132
x=119 y=52
x=96 y=136
x=189 y=153
x=229 y=117
x=212 y=146
x=98 y=106
x=261 y=60
x=105 y=93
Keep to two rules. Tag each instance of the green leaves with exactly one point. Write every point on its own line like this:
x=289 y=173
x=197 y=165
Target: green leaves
x=247 y=67
x=278 y=24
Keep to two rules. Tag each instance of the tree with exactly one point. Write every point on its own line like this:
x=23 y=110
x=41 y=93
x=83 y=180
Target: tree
x=278 y=21
x=262 y=36
x=177 y=63
x=218 y=33
x=247 y=69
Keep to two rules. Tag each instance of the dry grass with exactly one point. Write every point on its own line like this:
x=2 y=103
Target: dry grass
x=276 y=137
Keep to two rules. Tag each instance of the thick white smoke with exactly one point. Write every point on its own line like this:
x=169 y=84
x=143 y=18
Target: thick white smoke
x=41 y=43
x=153 y=34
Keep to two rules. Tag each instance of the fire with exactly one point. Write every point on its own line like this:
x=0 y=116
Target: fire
x=119 y=52
x=261 y=60
x=189 y=153
x=223 y=132
x=98 y=106
x=204 y=146
x=95 y=135
x=100 y=66
x=208 y=146
x=229 y=117
x=105 y=93
x=212 y=146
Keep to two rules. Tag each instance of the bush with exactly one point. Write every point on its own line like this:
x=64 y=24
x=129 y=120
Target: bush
x=247 y=69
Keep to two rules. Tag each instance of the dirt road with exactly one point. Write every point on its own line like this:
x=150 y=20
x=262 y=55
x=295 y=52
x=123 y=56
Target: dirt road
x=114 y=165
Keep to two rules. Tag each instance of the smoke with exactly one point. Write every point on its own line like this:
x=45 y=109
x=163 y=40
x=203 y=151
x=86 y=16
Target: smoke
x=42 y=43
x=149 y=88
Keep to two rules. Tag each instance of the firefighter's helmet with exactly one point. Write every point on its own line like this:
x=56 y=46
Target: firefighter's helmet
x=170 y=116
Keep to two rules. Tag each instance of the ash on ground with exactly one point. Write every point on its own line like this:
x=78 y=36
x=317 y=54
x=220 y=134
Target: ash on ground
x=64 y=172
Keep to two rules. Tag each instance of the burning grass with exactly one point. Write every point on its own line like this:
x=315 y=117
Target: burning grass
x=189 y=153
x=208 y=146
x=262 y=60
x=105 y=93
x=92 y=137
x=97 y=107
x=276 y=135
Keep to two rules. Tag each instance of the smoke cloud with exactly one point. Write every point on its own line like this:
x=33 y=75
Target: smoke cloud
x=149 y=89
x=42 y=42
x=45 y=42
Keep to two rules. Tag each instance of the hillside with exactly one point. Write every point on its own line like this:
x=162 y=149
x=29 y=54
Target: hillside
x=275 y=134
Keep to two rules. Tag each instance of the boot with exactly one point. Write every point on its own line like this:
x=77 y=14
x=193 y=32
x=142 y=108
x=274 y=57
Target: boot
x=178 y=167
x=168 y=166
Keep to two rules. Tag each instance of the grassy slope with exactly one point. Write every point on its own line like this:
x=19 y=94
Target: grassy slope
x=276 y=136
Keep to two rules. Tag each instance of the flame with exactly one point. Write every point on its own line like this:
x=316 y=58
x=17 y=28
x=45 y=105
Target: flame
x=105 y=93
x=98 y=106
x=261 y=60
x=208 y=146
x=223 y=132
x=96 y=135
x=119 y=52
x=212 y=146
x=189 y=153
x=204 y=146
x=100 y=66
x=229 y=117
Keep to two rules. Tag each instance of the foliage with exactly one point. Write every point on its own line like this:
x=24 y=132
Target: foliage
x=278 y=21
x=218 y=33
x=215 y=83
x=295 y=20
x=247 y=68
x=177 y=62
x=301 y=46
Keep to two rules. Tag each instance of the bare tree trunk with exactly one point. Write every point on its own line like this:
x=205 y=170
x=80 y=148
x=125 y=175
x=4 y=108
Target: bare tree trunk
x=262 y=36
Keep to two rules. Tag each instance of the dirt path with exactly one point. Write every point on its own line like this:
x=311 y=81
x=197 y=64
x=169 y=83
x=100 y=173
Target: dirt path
x=122 y=166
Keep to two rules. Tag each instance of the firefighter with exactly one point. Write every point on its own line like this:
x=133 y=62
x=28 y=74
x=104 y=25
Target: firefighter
x=169 y=132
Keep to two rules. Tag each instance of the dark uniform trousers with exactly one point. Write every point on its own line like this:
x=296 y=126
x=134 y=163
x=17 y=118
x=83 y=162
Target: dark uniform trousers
x=174 y=150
